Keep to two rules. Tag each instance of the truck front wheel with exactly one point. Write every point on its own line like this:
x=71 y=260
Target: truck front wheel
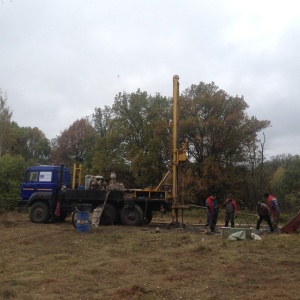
x=39 y=213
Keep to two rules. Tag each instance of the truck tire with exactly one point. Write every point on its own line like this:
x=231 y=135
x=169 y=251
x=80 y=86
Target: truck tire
x=39 y=212
x=118 y=221
x=74 y=218
x=109 y=215
x=132 y=216
x=148 y=217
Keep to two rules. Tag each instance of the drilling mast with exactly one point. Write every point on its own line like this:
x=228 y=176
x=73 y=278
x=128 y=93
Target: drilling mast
x=179 y=154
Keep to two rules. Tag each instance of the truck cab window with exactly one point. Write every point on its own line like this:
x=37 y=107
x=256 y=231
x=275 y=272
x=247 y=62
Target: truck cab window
x=45 y=176
x=33 y=176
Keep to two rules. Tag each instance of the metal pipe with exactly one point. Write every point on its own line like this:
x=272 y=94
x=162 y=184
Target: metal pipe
x=175 y=138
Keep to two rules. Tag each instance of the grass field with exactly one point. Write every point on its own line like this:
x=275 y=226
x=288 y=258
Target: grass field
x=53 y=261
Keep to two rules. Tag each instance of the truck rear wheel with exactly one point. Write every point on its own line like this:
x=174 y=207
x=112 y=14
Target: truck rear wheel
x=39 y=213
x=74 y=218
x=109 y=215
x=132 y=216
x=148 y=217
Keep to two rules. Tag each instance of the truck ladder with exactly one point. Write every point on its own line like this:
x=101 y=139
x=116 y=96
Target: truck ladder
x=98 y=211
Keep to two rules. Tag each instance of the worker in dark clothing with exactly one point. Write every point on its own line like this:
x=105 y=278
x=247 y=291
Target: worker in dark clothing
x=215 y=206
x=264 y=213
x=230 y=211
x=212 y=212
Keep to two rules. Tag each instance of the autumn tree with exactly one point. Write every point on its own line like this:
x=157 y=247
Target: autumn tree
x=6 y=135
x=285 y=181
x=106 y=154
x=100 y=120
x=31 y=144
x=219 y=133
x=278 y=161
x=136 y=143
x=75 y=144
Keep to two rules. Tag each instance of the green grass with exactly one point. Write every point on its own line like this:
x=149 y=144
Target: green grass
x=53 y=261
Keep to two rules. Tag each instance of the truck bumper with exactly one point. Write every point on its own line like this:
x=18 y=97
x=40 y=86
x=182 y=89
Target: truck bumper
x=21 y=204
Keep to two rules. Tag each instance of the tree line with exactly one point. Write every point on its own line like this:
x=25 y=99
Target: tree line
x=133 y=137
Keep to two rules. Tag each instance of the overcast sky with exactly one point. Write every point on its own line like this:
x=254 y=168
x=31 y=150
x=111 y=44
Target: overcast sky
x=59 y=59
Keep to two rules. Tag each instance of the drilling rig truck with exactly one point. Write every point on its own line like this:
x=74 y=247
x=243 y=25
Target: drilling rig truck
x=46 y=190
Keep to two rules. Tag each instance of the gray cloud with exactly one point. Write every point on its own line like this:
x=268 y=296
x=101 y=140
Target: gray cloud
x=61 y=59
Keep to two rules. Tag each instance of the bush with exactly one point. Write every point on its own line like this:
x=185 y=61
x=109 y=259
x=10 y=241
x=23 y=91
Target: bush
x=11 y=175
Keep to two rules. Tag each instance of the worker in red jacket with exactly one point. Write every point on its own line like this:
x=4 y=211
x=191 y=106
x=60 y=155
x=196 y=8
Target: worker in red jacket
x=212 y=210
x=274 y=207
x=230 y=211
x=235 y=208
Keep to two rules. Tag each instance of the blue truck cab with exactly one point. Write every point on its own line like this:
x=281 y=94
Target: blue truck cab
x=40 y=190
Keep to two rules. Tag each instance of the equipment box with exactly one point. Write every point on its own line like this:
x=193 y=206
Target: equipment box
x=225 y=232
